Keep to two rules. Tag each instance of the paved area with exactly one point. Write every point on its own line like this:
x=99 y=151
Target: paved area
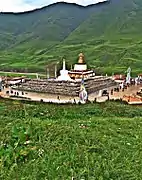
x=46 y=97
x=67 y=99
x=132 y=90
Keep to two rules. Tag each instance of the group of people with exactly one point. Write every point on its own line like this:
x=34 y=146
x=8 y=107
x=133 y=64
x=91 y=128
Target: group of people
x=14 y=93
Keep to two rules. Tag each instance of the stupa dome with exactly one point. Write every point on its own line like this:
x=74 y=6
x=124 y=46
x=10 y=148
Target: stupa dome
x=81 y=55
x=81 y=59
x=81 y=65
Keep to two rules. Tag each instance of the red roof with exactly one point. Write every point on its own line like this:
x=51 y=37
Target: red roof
x=119 y=76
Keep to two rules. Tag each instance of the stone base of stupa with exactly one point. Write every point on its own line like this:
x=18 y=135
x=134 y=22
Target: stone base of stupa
x=69 y=88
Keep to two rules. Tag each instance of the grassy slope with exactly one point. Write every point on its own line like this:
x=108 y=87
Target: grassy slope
x=109 y=34
x=110 y=38
x=33 y=34
x=94 y=141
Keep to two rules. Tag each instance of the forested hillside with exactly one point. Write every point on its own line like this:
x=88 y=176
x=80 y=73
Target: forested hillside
x=108 y=33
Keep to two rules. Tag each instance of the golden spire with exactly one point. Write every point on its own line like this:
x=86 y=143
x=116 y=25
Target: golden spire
x=81 y=58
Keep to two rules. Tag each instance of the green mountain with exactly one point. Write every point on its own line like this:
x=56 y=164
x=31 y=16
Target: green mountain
x=108 y=33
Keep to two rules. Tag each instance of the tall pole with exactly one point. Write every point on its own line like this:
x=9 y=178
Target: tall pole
x=47 y=73
x=55 y=70
x=37 y=76
x=6 y=80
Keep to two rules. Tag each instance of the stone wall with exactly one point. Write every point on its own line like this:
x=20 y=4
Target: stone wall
x=70 y=88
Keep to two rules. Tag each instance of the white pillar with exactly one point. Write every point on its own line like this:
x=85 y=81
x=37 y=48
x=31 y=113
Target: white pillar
x=37 y=76
x=100 y=92
x=55 y=70
x=47 y=73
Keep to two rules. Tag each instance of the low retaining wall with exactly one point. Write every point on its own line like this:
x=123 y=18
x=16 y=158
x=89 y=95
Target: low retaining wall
x=70 y=88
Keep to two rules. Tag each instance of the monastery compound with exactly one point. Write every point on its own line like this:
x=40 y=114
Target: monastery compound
x=78 y=84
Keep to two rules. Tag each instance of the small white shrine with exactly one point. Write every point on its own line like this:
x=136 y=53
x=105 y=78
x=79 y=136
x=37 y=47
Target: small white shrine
x=64 y=76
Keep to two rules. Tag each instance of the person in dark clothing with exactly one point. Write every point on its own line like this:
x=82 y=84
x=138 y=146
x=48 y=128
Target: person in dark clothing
x=95 y=100
x=108 y=97
x=112 y=92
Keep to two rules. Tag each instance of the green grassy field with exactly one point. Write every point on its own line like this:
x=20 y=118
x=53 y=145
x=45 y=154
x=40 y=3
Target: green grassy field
x=52 y=142
x=28 y=75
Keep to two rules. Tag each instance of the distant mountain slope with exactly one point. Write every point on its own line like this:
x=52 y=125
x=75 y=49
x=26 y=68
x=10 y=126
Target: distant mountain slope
x=109 y=33
x=50 y=24
x=26 y=38
x=111 y=38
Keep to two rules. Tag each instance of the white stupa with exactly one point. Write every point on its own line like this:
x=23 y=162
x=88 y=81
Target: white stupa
x=64 y=76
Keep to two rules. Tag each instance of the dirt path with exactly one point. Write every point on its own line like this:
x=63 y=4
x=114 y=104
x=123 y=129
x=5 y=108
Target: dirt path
x=132 y=90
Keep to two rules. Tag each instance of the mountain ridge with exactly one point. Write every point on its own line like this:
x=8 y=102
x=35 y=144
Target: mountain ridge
x=54 y=4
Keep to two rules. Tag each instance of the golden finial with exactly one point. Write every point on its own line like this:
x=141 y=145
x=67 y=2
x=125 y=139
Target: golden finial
x=81 y=58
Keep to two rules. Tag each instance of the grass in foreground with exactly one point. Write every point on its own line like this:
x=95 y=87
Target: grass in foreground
x=93 y=141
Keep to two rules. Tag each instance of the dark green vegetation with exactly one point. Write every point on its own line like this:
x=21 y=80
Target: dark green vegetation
x=28 y=75
x=108 y=33
x=93 y=141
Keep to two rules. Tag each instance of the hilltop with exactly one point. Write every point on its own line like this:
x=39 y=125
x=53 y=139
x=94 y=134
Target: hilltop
x=109 y=34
